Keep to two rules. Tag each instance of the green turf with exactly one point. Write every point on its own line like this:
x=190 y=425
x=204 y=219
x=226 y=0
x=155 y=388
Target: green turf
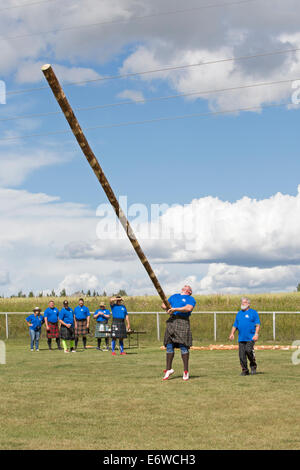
x=91 y=400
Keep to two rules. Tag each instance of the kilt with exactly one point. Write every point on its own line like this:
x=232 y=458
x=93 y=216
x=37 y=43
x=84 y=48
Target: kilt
x=54 y=330
x=101 y=330
x=67 y=333
x=118 y=328
x=178 y=331
x=82 y=329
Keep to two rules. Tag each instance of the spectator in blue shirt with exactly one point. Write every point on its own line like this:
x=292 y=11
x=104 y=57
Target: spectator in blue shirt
x=67 y=329
x=118 y=327
x=51 y=321
x=82 y=322
x=35 y=321
x=102 y=316
x=178 y=332
x=247 y=323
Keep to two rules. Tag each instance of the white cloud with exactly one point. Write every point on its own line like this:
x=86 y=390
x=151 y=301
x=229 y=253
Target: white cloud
x=133 y=95
x=15 y=167
x=75 y=283
x=222 y=278
x=159 y=41
x=30 y=72
x=247 y=232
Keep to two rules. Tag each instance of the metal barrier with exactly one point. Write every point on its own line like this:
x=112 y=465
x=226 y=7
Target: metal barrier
x=215 y=314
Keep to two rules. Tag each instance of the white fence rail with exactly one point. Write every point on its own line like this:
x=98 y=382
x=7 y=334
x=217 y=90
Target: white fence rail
x=158 y=314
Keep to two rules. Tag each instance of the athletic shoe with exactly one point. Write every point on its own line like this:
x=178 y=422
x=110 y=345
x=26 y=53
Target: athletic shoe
x=106 y=349
x=113 y=353
x=99 y=349
x=31 y=350
x=123 y=353
x=167 y=374
x=186 y=375
x=245 y=372
x=253 y=370
x=37 y=350
x=73 y=350
x=66 y=351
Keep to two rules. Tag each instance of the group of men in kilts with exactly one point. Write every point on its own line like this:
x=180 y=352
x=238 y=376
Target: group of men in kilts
x=68 y=325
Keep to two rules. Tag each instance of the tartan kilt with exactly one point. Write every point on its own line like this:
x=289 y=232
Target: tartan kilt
x=101 y=330
x=178 y=331
x=118 y=328
x=54 y=330
x=82 y=329
x=67 y=333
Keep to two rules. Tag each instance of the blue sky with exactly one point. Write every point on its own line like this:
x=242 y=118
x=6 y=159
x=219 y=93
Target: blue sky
x=241 y=170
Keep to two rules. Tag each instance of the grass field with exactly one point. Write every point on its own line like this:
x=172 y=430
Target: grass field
x=91 y=400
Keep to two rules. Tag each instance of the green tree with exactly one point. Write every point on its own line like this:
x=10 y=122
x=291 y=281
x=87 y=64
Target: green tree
x=122 y=293
x=31 y=294
x=63 y=293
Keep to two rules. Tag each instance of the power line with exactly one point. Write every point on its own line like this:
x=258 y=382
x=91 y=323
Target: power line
x=135 y=18
x=150 y=121
x=27 y=5
x=147 y=100
x=163 y=69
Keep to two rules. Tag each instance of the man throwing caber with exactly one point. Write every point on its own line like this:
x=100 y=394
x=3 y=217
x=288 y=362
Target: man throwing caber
x=247 y=323
x=178 y=331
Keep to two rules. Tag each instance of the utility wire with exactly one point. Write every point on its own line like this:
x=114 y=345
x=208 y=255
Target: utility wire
x=134 y=18
x=147 y=100
x=149 y=121
x=27 y=5
x=163 y=69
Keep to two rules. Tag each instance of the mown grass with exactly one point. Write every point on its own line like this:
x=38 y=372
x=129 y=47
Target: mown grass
x=287 y=326
x=91 y=400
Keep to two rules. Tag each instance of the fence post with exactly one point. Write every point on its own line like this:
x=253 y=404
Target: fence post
x=158 y=326
x=6 y=325
x=215 y=326
x=274 y=326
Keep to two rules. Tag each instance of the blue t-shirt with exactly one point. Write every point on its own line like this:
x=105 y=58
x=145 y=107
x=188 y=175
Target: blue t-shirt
x=81 y=313
x=245 y=322
x=67 y=316
x=179 y=300
x=36 y=321
x=101 y=318
x=51 y=314
x=118 y=311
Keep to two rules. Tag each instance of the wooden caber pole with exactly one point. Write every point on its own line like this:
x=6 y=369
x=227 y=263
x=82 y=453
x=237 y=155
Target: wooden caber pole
x=91 y=158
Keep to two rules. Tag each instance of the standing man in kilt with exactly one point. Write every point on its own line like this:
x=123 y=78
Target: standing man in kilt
x=118 y=327
x=51 y=321
x=247 y=322
x=82 y=322
x=102 y=316
x=67 y=329
x=178 y=332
